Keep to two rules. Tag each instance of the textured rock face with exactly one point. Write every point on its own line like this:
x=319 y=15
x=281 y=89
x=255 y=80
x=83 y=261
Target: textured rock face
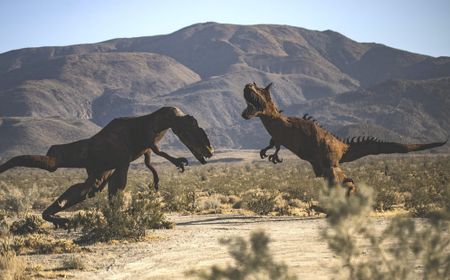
x=69 y=92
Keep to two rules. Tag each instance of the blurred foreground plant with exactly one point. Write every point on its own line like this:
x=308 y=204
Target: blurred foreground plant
x=392 y=253
x=252 y=260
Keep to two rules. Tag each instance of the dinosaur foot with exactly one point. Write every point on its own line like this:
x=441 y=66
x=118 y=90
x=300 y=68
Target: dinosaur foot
x=58 y=221
x=275 y=159
x=180 y=163
x=350 y=185
x=263 y=154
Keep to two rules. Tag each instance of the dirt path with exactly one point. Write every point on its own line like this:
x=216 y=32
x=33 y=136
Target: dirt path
x=193 y=244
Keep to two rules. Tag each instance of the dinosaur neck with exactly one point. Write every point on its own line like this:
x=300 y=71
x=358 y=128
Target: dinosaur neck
x=162 y=119
x=272 y=121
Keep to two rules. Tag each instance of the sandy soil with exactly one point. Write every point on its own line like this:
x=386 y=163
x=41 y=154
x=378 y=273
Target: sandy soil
x=193 y=244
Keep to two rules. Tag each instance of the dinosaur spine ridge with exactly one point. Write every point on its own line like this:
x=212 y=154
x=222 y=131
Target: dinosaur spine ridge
x=310 y=118
x=362 y=140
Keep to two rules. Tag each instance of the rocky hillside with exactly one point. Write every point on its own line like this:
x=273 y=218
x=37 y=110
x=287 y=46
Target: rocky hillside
x=53 y=95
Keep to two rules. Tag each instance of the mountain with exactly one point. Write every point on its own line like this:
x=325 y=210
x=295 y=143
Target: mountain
x=52 y=95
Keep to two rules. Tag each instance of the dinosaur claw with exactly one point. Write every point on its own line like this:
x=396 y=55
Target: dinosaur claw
x=262 y=154
x=275 y=159
x=180 y=163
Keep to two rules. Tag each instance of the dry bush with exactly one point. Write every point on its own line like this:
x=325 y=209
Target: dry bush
x=43 y=244
x=73 y=262
x=28 y=225
x=117 y=219
x=261 y=202
x=390 y=254
x=209 y=204
x=252 y=260
x=11 y=266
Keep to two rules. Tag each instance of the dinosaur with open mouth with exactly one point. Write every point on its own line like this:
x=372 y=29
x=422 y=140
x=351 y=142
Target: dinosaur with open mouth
x=107 y=155
x=309 y=141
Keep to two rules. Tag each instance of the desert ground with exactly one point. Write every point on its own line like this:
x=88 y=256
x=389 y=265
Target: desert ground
x=193 y=243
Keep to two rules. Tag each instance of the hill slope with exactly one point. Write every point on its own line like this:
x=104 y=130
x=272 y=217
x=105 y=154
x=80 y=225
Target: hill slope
x=368 y=88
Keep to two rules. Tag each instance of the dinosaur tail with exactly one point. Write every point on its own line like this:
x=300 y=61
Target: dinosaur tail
x=43 y=162
x=371 y=146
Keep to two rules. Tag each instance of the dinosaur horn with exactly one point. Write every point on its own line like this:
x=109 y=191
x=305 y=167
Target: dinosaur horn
x=374 y=148
x=43 y=162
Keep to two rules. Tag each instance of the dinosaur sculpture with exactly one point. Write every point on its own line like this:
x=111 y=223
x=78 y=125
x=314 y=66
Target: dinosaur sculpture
x=309 y=141
x=106 y=156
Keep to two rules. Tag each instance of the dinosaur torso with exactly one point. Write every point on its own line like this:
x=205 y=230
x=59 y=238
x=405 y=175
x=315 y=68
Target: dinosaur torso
x=304 y=138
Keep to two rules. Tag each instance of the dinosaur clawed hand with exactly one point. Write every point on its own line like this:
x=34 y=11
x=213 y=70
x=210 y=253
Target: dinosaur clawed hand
x=180 y=163
x=275 y=159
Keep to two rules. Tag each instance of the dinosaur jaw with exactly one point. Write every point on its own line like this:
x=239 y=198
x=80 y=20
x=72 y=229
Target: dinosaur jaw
x=249 y=112
x=255 y=104
x=202 y=156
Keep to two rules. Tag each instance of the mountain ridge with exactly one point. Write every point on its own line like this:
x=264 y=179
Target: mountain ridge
x=202 y=69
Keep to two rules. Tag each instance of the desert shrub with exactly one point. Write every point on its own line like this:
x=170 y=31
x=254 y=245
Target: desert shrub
x=43 y=244
x=427 y=199
x=391 y=254
x=28 y=225
x=259 y=201
x=180 y=197
x=209 y=204
x=11 y=266
x=4 y=228
x=116 y=219
x=252 y=260
x=385 y=199
x=73 y=262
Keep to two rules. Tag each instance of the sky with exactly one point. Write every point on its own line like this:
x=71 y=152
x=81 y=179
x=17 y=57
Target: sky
x=418 y=26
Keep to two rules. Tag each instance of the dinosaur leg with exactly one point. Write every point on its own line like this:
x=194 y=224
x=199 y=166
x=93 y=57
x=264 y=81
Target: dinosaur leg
x=336 y=176
x=102 y=185
x=263 y=152
x=178 y=162
x=73 y=195
x=152 y=169
x=118 y=180
x=274 y=157
x=43 y=162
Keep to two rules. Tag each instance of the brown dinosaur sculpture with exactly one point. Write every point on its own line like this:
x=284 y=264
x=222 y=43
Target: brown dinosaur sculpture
x=106 y=156
x=309 y=141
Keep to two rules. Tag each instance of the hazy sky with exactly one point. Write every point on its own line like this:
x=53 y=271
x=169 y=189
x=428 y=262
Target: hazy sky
x=415 y=25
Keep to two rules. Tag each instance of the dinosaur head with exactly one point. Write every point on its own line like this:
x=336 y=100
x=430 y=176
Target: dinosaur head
x=258 y=101
x=194 y=137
